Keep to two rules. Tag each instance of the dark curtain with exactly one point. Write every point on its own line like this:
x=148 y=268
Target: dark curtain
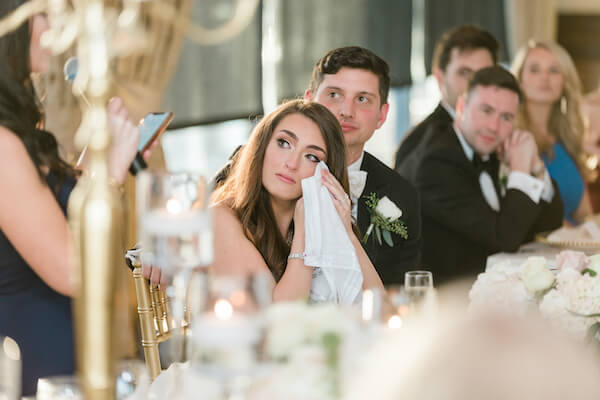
x=307 y=29
x=220 y=82
x=225 y=81
x=441 y=15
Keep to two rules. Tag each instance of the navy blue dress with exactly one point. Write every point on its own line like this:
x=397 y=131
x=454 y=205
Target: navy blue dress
x=33 y=314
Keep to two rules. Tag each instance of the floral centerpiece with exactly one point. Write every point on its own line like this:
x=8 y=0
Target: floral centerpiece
x=569 y=296
x=310 y=344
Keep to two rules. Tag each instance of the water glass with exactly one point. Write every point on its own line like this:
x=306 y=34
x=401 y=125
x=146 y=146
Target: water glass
x=419 y=289
x=175 y=228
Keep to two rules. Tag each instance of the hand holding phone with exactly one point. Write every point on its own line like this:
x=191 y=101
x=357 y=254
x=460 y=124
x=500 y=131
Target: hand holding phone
x=150 y=127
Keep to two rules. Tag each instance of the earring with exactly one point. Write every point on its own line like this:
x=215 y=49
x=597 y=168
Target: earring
x=563 y=104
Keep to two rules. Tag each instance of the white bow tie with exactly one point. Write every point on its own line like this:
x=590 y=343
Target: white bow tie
x=357 y=180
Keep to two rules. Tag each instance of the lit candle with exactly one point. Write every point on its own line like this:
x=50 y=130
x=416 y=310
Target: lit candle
x=225 y=328
x=395 y=322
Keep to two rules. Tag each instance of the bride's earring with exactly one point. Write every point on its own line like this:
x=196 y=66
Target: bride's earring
x=563 y=104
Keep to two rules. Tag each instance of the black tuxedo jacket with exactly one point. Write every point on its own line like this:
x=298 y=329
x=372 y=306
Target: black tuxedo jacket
x=391 y=262
x=460 y=229
x=438 y=117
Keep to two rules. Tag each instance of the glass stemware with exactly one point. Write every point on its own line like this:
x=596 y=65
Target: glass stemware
x=175 y=230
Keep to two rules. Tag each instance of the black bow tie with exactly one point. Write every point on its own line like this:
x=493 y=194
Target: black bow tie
x=483 y=165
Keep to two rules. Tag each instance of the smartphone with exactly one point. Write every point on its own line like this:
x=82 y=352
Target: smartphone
x=151 y=127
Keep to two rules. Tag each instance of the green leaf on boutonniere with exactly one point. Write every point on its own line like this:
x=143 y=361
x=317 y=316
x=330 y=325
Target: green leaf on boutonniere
x=385 y=220
x=387 y=236
x=378 y=234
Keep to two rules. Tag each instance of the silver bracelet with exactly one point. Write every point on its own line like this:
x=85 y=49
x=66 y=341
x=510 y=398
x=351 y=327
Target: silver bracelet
x=296 y=255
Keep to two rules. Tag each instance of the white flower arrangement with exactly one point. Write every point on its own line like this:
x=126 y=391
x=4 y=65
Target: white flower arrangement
x=570 y=300
x=311 y=337
x=536 y=276
x=501 y=289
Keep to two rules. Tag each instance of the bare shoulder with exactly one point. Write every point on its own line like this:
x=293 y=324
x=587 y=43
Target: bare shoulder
x=15 y=157
x=11 y=144
x=228 y=229
x=233 y=250
x=225 y=218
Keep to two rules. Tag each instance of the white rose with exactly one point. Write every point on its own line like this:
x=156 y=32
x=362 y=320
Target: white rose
x=386 y=208
x=535 y=275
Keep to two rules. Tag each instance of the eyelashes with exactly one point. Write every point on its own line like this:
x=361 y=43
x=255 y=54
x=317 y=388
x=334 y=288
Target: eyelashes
x=284 y=144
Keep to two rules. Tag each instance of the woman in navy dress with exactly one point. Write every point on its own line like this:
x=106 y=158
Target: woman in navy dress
x=36 y=271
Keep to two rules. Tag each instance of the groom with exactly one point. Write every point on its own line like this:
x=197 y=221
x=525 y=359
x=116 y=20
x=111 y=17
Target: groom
x=353 y=83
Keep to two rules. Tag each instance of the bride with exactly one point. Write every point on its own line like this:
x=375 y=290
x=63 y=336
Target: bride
x=259 y=210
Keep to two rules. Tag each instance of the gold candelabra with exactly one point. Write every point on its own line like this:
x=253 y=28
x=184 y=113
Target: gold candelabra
x=100 y=32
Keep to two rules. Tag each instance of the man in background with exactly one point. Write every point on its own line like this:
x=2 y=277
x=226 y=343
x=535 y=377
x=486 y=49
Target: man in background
x=469 y=211
x=458 y=54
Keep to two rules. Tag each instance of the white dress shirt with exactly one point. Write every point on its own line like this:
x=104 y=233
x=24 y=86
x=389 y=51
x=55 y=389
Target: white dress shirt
x=355 y=166
x=534 y=188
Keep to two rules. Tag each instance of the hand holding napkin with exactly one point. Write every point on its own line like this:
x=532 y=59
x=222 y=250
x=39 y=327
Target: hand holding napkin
x=337 y=276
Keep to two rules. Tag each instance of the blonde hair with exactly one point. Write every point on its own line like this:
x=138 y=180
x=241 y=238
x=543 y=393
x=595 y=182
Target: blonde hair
x=568 y=127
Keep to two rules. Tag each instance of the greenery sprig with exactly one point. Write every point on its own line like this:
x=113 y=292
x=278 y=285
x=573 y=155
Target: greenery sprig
x=384 y=220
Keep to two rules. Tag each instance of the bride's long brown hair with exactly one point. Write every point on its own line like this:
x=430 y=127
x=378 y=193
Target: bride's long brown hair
x=245 y=194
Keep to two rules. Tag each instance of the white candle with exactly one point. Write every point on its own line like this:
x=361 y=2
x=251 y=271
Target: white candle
x=225 y=328
x=164 y=223
x=238 y=331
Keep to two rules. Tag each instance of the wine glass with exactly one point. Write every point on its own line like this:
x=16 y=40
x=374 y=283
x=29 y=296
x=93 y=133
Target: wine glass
x=175 y=229
x=418 y=286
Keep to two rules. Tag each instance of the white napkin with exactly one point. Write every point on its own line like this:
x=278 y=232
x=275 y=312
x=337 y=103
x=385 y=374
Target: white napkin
x=337 y=276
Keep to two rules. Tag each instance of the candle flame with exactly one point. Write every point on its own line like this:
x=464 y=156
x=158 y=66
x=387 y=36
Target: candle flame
x=395 y=322
x=223 y=309
x=174 y=206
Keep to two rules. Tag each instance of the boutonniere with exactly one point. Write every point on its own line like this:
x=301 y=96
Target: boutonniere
x=503 y=173
x=385 y=219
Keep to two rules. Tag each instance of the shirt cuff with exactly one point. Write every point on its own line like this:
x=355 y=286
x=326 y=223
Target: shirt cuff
x=548 y=192
x=527 y=184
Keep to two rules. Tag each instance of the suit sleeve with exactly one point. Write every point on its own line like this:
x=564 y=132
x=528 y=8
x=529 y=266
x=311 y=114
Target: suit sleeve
x=451 y=196
x=551 y=216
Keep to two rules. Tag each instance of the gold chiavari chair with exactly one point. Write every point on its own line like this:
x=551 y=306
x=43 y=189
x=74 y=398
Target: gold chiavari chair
x=153 y=312
x=156 y=324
